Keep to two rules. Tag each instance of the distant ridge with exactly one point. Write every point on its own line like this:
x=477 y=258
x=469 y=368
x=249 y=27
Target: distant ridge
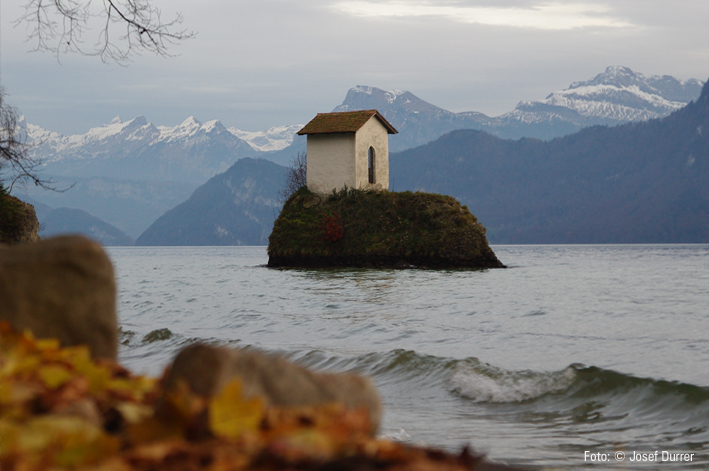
x=128 y=173
x=194 y=152
x=237 y=207
x=59 y=221
x=643 y=182
x=616 y=96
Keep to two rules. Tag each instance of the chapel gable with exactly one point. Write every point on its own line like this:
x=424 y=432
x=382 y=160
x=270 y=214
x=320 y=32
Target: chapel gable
x=348 y=149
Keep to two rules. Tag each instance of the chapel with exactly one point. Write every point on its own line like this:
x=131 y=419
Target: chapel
x=349 y=149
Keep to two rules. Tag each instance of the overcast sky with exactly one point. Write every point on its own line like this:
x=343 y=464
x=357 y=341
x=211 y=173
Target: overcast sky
x=261 y=63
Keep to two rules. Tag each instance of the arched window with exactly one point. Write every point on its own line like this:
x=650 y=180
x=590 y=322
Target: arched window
x=370 y=160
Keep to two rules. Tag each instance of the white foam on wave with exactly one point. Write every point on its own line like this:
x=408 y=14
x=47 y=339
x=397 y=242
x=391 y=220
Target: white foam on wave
x=489 y=384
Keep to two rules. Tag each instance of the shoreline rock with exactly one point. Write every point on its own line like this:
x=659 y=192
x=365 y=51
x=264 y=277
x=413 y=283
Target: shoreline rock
x=207 y=369
x=62 y=288
x=18 y=220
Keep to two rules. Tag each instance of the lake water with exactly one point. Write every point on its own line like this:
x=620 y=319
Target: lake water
x=572 y=349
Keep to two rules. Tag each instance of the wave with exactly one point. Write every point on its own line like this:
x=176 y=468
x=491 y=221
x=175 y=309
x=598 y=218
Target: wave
x=484 y=383
x=481 y=383
x=581 y=389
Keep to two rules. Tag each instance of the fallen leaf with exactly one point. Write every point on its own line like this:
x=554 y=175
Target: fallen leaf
x=231 y=415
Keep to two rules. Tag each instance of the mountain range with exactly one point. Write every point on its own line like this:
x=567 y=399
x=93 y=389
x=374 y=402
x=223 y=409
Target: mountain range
x=616 y=96
x=130 y=173
x=194 y=152
x=643 y=182
x=138 y=150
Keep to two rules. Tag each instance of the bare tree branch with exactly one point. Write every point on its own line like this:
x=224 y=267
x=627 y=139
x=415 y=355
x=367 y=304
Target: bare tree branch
x=296 y=176
x=17 y=165
x=58 y=26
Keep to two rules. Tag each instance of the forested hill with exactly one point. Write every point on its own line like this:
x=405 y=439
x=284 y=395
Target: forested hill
x=645 y=182
x=236 y=207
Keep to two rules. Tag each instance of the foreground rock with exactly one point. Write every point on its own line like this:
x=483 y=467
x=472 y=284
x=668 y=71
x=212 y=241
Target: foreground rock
x=61 y=288
x=207 y=369
x=378 y=229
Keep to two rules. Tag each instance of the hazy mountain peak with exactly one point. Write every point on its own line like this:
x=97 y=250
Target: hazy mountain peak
x=190 y=122
x=114 y=128
x=136 y=122
x=275 y=138
x=664 y=86
x=389 y=95
x=363 y=89
x=704 y=97
x=388 y=102
x=613 y=75
x=617 y=95
x=116 y=120
x=213 y=126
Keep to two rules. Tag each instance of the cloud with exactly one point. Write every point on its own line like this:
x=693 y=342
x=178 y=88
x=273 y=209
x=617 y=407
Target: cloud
x=261 y=63
x=546 y=16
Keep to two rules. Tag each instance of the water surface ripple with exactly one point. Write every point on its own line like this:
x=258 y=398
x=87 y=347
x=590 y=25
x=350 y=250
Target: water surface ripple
x=572 y=348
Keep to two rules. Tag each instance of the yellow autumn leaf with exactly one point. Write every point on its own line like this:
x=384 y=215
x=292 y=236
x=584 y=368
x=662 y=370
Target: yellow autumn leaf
x=134 y=413
x=8 y=434
x=85 y=444
x=64 y=440
x=231 y=415
x=15 y=364
x=45 y=344
x=135 y=388
x=304 y=443
x=54 y=376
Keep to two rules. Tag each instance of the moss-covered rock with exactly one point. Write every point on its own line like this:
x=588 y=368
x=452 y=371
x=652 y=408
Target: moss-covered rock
x=18 y=220
x=354 y=228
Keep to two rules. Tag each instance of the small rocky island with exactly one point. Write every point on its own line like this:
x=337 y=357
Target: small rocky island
x=344 y=215
x=359 y=228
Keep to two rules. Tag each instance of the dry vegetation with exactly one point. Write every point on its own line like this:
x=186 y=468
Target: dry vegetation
x=60 y=410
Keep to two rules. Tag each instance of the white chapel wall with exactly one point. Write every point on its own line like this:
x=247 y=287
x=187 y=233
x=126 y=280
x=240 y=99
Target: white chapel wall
x=373 y=134
x=331 y=162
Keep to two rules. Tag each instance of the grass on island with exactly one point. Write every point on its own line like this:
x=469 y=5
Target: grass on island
x=356 y=223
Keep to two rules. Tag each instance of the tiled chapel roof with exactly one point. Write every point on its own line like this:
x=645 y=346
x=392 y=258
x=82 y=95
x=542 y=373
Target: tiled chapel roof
x=347 y=121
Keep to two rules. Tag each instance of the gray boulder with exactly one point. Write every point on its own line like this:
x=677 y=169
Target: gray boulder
x=207 y=369
x=61 y=288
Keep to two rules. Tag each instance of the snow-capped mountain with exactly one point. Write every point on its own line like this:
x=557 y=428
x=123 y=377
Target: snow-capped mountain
x=417 y=121
x=618 y=95
x=194 y=151
x=128 y=173
x=275 y=138
x=139 y=150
